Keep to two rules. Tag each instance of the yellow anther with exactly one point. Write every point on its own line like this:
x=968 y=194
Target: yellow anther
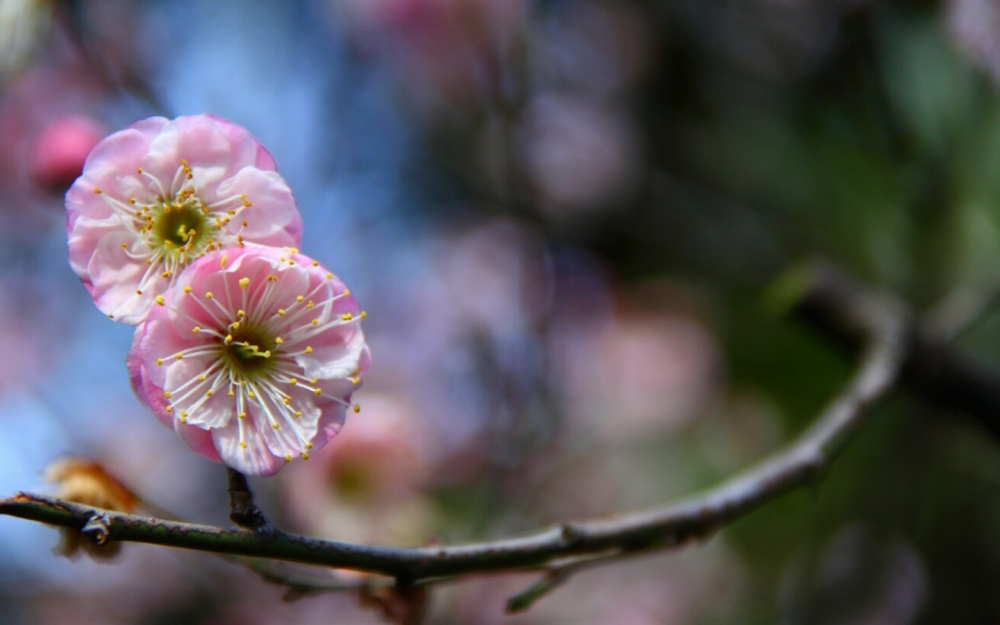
x=208 y=295
x=346 y=292
x=131 y=200
x=124 y=246
x=166 y=394
x=274 y=425
x=309 y=445
x=159 y=300
x=184 y=162
x=288 y=458
x=318 y=391
x=241 y=313
x=293 y=382
x=223 y=260
x=244 y=224
x=247 y=204
x=110 y=316
x=363 y=314
x=305 y=456
x=244 y=282
x=228 y=339
x=286 y=400
x=165 y=275
x=208 y=393
x=315 y=322
x=169 y=408
x=179 y=356
x=138 y=170
x=138 y=292
x=97 y=190
x=243 y=445
x=308 y=349
x=231 y=393
x=297 y=414
x=187 y=289
x=315 y=263
x=281 y=312
x=310 y=304
x=159 y=361
x=357 y=408
x=329 y=276
x=184 y=414
x=196 y=329
x=251 y=395
x=355 y=380
x=347 y=316
x=202 y=377
x=299 y=298
x=278 y=340
x=235 y=325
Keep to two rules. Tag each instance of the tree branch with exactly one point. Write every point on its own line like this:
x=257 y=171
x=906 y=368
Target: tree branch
x=932 y=370
x=880 y=328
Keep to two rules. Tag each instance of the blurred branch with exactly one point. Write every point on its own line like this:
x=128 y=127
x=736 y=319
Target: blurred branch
x=960 y=310
x=933 y=371
x=876 y=325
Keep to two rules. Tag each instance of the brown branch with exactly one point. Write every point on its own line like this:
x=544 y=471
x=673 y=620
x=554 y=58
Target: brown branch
x=881 y=332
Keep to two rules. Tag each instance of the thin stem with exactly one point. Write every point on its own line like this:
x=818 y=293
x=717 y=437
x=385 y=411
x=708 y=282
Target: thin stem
x=242 y=509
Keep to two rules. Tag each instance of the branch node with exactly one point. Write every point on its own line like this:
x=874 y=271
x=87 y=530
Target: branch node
x=571 y=533
x=97 y=529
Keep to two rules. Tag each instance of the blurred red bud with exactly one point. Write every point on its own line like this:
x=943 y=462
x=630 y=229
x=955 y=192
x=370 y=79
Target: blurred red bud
x=57 y=155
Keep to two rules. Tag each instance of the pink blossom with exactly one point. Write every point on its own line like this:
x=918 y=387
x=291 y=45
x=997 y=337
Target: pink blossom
x=252 y=357
x=60 y=150
x=158 y=195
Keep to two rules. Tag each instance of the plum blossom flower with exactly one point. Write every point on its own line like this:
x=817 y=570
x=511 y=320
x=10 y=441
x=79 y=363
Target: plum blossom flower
x=158 y=195
x=252 y=357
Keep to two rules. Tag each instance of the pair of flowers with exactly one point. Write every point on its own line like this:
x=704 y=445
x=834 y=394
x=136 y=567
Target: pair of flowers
x=249 y=350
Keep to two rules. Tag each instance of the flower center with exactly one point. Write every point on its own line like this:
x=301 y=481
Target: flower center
x=180 y=226
x=248 y=350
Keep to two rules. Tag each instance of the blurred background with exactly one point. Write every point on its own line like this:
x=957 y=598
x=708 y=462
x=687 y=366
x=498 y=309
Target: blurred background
x=562 y=217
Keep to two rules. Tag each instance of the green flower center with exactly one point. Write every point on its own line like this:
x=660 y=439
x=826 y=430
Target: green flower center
x=249 y=350
x=181 y=226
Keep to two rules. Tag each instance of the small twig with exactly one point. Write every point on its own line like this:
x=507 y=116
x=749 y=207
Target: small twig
x=242 y=509
x=556 y=575
x=960 y=310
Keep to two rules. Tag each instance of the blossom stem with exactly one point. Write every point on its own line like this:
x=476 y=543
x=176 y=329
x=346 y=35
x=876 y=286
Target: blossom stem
x=242 y=509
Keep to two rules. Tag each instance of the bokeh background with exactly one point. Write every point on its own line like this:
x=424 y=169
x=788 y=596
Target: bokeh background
x=562 y=217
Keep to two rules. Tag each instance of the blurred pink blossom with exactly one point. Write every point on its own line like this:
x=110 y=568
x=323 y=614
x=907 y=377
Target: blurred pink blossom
x=580 y=155
x=159 y=194
x=59 y=151
x=369 y=487
x=652 y=369
x=252 y=357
